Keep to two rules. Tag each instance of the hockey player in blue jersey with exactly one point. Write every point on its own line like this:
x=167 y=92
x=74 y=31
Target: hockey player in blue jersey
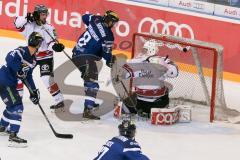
x=19 y=64
x=124 y=146
x=93 y=45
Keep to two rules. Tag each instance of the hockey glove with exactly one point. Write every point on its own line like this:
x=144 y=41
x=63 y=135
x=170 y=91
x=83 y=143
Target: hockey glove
x=58 y=47
x=35 y=96
x=111 y=62
x=29 y=17
x=22 y=74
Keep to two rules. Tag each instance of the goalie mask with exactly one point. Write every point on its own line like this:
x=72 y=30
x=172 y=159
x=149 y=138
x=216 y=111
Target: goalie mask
x=110 y=18
x=127 y=129
x=151 y=47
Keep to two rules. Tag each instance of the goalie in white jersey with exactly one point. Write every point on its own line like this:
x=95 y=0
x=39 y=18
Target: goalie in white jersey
x=36 y=22
x=149 y=71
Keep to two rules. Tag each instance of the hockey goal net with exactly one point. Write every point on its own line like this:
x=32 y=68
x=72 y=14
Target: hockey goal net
x=200 y=67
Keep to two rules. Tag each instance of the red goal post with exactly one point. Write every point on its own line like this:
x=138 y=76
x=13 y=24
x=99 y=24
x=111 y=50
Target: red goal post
x=200 y=66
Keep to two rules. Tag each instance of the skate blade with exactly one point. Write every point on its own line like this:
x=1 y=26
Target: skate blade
x=17 y=145
x=4 y=134
x=58 y=110
x=95 y=109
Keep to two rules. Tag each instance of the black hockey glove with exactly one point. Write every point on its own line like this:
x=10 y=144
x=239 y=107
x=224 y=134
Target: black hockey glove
x=35 y=96
x=22 y=74
x=111 y=62
x=29 y=17
x=58 y=47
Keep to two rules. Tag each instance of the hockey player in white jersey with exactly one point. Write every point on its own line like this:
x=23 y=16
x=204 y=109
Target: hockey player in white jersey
x=145 y=74
x=36 y=21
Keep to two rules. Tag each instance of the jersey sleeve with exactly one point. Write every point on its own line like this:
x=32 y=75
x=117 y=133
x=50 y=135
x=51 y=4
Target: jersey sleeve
x=172 y=71
x=13 y=61
x=107 y=45
x=86 y=18
x=132 y=151
x=133 y=155
x=49 y=38
x=29 y=79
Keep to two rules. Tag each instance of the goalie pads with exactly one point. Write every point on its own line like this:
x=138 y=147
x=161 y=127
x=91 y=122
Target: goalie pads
x=169 y=116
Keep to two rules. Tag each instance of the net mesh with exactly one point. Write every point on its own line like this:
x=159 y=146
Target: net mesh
x=200 y=67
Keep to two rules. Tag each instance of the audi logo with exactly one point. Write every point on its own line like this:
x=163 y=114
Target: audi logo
x=166 y=27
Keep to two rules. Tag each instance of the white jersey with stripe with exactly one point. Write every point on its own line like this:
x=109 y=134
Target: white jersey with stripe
x=26 y=28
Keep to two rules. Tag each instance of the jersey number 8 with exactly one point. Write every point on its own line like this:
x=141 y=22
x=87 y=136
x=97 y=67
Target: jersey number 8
x=85 y=39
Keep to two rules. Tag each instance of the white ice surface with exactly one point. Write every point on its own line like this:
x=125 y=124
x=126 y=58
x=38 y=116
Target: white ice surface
x=198 y=140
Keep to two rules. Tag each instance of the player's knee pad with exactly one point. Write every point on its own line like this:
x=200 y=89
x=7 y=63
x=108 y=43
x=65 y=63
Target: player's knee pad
x=46 y=67
x=15 y=117
x=15 y=111
x=91 y=88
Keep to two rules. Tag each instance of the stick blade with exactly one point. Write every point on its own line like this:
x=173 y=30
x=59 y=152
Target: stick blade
x=66 y=136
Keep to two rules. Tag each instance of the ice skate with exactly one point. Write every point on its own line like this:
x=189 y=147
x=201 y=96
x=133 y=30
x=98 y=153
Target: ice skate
x=96 y=106
x=15 y=141
x=59 y=106
x=89 y=115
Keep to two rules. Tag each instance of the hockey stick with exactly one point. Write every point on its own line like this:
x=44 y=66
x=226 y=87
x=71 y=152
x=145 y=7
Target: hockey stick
x=54 y=39
x=59 y=135
x=129 y=98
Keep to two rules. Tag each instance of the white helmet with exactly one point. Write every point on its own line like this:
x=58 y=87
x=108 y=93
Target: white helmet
x=151 y=47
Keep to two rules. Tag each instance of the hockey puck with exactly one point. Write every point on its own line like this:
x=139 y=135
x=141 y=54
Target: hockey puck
x=184 y=49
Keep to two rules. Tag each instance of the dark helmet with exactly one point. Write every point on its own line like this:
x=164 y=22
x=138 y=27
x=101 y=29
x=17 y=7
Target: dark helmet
x=40 y=8
x=37 y=11
x=35 y=39
x=110 y=18
x=127 y=129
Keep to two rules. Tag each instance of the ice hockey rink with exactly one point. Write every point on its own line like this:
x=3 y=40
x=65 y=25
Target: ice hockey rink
x=198 y=140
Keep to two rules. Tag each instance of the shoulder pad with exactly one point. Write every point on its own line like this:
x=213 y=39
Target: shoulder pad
x=122 y=138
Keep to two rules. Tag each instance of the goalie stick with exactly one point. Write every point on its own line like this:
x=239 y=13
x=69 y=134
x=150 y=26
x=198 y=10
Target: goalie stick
x=116 y=80
x=59 y=135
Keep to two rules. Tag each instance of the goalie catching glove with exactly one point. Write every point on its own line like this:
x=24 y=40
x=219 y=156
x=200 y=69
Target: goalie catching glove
x=35 y=96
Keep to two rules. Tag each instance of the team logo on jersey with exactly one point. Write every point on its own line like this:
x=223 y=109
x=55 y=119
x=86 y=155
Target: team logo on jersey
x=45 y=67
x=146 y=74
